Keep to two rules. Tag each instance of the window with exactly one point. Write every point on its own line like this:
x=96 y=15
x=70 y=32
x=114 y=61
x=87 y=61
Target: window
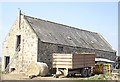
x=7 y=61
x=60 y=49
x=18 y=42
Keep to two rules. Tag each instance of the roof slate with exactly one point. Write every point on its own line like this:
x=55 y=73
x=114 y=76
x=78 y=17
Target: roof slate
x=56 y=33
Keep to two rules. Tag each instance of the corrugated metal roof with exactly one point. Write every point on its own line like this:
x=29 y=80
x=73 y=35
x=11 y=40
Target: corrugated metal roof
x=104 y=60
x=56 y=33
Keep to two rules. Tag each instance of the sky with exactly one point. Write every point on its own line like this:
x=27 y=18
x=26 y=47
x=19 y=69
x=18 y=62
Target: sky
x=118 y=28
x=101 y=17
x=59 y=0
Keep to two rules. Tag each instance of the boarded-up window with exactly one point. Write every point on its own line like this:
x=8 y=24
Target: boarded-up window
x=60 y=49
x=18 y=42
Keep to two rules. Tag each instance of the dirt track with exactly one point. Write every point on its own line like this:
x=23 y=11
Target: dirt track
x=21 y=76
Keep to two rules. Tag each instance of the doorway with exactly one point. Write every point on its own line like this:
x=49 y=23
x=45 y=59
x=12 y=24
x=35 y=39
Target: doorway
x=7 y=61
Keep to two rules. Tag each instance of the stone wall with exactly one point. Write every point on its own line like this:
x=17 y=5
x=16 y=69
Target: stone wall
x=46 y=50
x=30 y=51
x=8 y=48
x=28 y=46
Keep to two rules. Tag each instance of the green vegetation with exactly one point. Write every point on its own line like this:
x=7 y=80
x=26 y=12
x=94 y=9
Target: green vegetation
x=95 y=77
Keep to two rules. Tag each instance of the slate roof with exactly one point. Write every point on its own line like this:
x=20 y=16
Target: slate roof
x=52 y=32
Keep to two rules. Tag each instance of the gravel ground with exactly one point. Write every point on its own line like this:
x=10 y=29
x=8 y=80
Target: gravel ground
x=21 y=76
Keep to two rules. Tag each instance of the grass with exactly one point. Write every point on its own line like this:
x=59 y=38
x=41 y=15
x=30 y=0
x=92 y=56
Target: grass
x=95 y=77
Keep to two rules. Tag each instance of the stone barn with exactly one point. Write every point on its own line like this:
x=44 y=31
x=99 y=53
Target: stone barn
x=32 y=39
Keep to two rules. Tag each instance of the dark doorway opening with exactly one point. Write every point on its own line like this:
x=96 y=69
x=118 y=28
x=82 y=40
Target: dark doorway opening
x=7 y=61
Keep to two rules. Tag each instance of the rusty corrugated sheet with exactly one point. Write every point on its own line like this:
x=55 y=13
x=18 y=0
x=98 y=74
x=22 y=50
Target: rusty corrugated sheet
x=61 y=34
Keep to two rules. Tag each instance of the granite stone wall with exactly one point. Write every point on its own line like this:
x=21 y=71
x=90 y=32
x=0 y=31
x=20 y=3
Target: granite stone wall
x=46 y=50
x=28 y=45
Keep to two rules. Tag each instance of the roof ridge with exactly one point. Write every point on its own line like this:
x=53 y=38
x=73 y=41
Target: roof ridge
x=61 y=24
